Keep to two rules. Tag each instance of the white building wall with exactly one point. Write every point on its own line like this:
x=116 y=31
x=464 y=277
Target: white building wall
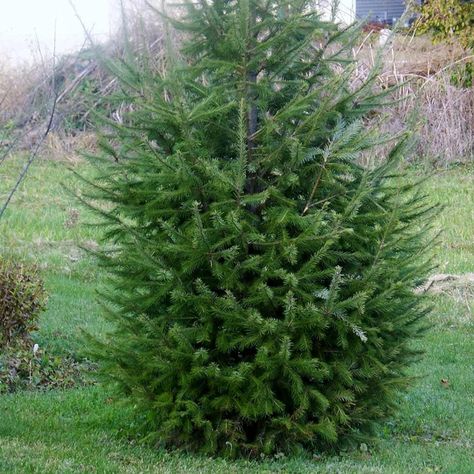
x=347 y=11
x=381 y=10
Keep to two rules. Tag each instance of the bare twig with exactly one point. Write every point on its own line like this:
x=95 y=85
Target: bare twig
x=34 y=153
x=30 y=160
x=315 y=187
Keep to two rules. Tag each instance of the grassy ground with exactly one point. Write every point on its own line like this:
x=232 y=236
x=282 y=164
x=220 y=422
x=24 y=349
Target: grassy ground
x=79 y=430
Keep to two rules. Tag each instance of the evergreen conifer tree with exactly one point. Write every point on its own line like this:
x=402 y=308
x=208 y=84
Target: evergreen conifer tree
x=261 y=279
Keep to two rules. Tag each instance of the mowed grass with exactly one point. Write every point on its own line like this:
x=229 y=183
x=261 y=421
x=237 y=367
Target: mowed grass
x=82 y=431
x=46 y=225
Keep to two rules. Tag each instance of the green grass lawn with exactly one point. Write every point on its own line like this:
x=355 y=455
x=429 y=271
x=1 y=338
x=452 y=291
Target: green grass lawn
x=80 y=430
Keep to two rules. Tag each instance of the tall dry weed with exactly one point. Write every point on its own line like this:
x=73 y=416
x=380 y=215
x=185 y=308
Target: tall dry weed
x=428 y=95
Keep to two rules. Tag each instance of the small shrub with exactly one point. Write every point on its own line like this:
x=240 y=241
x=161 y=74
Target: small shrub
x=448 y=20
x=26 y=367
x=22 y=298
x=463 y=75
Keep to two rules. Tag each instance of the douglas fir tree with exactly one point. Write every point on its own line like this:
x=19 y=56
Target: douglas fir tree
x=261 y=280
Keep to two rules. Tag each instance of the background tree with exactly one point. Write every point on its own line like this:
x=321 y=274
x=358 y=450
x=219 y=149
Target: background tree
x=261 y=280
x=448 y=20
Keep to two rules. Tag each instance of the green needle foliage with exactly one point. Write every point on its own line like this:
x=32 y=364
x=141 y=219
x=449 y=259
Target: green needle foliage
x=261 y=280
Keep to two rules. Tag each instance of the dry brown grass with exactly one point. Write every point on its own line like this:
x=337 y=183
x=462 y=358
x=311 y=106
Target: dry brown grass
x=69 y=148
x=21 y=87
x=12 y=91
x=74 y=86
x=425 y=94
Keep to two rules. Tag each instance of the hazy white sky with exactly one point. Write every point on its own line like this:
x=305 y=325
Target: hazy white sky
x=24 y=23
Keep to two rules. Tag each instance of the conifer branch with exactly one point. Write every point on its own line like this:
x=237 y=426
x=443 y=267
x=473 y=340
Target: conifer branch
x=251 y=100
